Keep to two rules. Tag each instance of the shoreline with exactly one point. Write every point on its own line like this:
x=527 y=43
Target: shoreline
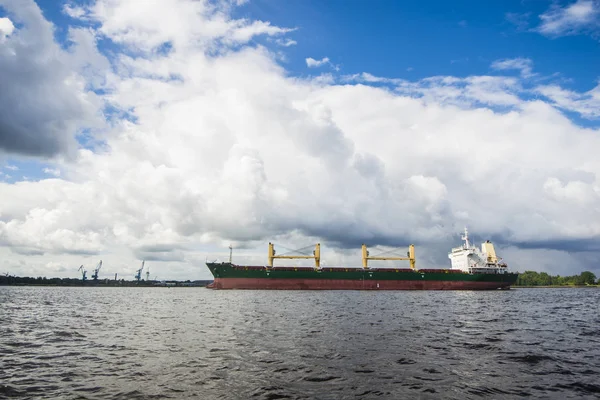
x=202 y=285
x=555 y=287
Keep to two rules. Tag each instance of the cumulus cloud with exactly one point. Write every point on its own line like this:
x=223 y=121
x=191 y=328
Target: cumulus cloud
x=173 y=22
x=220 y=145
x=497 y=92
x=6 y=27
x=586 y=104
x=34 y=69
x=574 y=18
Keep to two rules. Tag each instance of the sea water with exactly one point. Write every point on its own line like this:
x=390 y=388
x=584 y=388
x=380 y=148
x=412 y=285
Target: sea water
x=144 y=343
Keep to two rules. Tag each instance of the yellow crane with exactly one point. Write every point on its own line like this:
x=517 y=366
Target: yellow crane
x=410 y=257
x=316 y=255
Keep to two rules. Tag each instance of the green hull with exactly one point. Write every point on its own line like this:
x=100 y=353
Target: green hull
x=230 y=276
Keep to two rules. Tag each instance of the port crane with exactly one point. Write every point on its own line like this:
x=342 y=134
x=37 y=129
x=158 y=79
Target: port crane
x=83 y=272
x=96 y=270
x=138 y=273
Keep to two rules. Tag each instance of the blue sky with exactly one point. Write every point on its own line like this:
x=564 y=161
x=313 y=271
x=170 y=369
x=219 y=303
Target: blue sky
x=386 y=37
x=389 y=121
x=458 y=38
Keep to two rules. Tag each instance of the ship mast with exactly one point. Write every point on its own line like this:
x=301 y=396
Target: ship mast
x=465 y=237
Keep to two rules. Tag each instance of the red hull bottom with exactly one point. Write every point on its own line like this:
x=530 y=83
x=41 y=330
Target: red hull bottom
x=347 y=284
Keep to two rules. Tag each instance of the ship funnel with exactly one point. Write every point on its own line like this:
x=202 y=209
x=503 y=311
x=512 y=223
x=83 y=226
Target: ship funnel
x=488 y=249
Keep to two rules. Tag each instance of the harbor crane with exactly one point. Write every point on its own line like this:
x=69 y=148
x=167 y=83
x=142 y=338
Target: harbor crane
x=138 y=273
x=83 y=272
x=96 y=270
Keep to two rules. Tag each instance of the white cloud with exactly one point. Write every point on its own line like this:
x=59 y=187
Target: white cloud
x=286 y=42
x=490 y=91
x=226 y=147
x=312 y=63
x=586 y=104
x=524 y=65
x=572 y=19
x=6 y=27
x=181 y=23
x=12 y=167
x=74 y=11
x=463 y=92
x=578 y=192
x=52 y=171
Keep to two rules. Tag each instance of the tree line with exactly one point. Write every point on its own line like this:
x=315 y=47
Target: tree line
x=533 y=278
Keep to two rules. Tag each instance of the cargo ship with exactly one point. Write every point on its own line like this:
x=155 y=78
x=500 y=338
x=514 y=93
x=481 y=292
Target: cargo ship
x=471 y=269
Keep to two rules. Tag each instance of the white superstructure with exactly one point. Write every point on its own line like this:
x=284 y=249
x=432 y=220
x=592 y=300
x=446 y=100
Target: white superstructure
x=469 y=258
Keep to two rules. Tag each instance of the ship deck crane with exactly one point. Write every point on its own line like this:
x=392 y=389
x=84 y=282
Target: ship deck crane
x=138 y=273
x=316 y=255
x=96 y=270
x=410 y=256
x=83 y=272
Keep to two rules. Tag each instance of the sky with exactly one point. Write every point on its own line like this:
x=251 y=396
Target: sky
x=167 y=130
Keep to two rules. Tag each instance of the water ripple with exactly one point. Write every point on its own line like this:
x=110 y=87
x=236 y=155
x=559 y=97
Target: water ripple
x=162 y=343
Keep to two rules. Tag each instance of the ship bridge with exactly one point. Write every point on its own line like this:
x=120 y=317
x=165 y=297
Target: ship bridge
x=469 y=258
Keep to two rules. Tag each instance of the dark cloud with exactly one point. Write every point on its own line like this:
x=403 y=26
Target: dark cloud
x=38 y=251
x=27 y=251
x=352 y=236
x=568 y=245
x=158 y=248
x=41 y=104
x=173 y=255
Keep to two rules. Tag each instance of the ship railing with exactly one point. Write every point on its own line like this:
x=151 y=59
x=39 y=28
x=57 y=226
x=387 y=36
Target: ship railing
x=249 y=267
x=390 y=269
x=292 y=268
x=441 y=270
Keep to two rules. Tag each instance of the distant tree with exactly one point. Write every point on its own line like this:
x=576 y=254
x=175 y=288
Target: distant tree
x=587 y=278
x=533 y=278
x=544 y=279
x=528 y=278
x=558 y=280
